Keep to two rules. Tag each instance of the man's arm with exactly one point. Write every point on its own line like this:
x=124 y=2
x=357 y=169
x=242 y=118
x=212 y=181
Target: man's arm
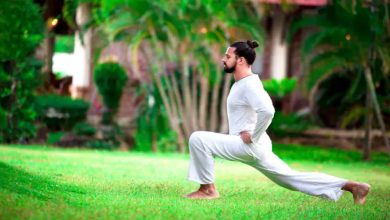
x=264 y=119
x=260 y=101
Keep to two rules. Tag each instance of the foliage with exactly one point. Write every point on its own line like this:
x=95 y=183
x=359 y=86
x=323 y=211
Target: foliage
x=110 y=79
x=340 y=100
x=84 y=129
x=101 y=144
x=18 y=80
x=348 y=38
x=54 y=137
x=21 y=28
x=69 y=12
x=168 y=141
x=279 y=88
x=284 y=124
x=289 y=125
x=64 y=44
x=60 y=112
x=183 y=38
x=98 y=185
x=112 y=133
x=351 y=35
x=153 y=131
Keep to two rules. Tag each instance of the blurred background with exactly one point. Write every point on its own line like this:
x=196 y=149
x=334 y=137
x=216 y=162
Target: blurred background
x=142 y=75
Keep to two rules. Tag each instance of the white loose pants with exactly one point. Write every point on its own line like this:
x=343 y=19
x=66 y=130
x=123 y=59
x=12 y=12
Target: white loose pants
x=204 y=146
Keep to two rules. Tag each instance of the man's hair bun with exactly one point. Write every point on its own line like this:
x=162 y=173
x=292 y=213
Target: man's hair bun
x=252 y=44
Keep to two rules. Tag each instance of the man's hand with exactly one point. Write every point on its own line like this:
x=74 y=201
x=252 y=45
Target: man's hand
x=246 y=137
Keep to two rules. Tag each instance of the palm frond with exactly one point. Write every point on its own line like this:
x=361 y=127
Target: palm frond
x=323 y=68
x=352 y=116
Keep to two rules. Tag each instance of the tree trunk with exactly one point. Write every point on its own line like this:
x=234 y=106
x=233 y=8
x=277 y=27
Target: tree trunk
x=370 y=85
x=204 y=93
x=48 y=48
x=188 y=119
x=173 y=120
x=12 y=100
x=177 y=104
x=171 y=116
x=368 y=128
x=226 y=88
x=214 y=103
x=194 y=94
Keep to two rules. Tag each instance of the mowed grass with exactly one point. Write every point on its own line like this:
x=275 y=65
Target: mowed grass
x=39 y=182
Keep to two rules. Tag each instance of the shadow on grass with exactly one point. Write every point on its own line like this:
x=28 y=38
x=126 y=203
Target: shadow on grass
x=21 y=182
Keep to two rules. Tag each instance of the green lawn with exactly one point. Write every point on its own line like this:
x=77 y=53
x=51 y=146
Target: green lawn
x=51 y=183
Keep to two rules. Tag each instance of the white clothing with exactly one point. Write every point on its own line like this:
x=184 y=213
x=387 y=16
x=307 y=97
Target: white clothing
x=250 y=109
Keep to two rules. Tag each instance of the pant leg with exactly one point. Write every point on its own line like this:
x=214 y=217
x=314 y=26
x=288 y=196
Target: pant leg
x=204 y=146
x=312 y=183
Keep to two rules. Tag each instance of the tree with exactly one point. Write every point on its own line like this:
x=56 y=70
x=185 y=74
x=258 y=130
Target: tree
x=22 y=31
x=350 y=36
x=181 y=42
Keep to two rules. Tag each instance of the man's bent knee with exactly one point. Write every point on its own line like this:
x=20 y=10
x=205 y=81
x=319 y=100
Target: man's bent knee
x=195 y=138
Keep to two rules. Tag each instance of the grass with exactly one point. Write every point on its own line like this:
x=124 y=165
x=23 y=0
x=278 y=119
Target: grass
x=38 y=182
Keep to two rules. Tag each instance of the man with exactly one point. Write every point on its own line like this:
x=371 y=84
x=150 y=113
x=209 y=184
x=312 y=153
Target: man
x=250 y=112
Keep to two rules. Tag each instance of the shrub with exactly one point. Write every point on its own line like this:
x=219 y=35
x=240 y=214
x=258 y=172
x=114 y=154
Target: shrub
x=21 y=32
x=167 y=142
x=60 y=112
x=291 y=124
x=153 y=129
x=110 y=79
x=54 y=137
x=102 y=144
x=84 y=129
x=279 y=88
x=21 y=26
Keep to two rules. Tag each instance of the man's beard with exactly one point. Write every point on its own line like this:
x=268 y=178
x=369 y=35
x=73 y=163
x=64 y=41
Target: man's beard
x=229 y=69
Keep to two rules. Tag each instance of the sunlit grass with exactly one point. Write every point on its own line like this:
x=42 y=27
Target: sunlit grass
x=51 y=183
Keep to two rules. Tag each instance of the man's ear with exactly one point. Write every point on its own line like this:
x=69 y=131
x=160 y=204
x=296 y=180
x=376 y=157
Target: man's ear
x=241 y=60
x=244 y=61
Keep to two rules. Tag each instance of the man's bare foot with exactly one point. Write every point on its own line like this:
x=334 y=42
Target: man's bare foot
x=206 y=191
x=202 y=195
x=358 y=190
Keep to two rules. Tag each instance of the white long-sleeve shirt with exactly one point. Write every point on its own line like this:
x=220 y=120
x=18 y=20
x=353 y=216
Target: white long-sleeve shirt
x=249 y=108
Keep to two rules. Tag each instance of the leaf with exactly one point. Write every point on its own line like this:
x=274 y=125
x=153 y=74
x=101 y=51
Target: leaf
x=358 y=84
x=323 y=69
x=352 y=116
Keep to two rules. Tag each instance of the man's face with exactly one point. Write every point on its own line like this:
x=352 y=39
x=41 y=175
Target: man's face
x=229 y=60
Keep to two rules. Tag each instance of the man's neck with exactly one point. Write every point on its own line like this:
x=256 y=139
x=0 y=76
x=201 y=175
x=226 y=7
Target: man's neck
x=242 y=74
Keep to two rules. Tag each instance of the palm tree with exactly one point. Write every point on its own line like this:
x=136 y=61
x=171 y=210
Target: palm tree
x=351 y=35
x=181 y=42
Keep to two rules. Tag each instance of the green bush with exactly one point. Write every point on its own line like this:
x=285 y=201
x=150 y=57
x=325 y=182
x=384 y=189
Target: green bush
x=54 y=137
x=21 y=26
x=102 y=144
x=110 y=79
x=84 y=129
x=167 y=142
x=60 y=112
x=279 y=88
x=291 y=124
x=21 y=32
x=153 y=128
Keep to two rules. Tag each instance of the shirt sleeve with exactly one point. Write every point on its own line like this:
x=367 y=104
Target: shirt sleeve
x=259 y=100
